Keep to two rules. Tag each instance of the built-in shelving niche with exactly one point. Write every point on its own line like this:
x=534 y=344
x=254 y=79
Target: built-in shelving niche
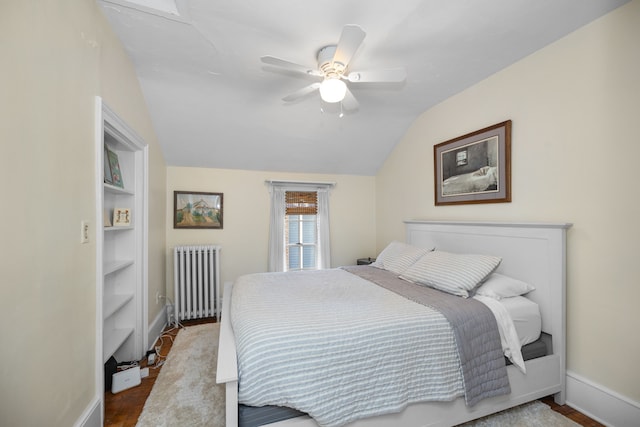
x=121 y=250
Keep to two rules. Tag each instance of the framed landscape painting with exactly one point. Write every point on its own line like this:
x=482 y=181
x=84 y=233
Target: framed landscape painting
x=193 y=209
x=474 y=168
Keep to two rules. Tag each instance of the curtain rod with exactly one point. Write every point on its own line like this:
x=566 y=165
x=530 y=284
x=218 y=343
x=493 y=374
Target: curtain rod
x=309 y=183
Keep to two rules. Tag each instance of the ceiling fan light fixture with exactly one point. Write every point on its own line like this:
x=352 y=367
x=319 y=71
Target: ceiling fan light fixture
x=333 y=90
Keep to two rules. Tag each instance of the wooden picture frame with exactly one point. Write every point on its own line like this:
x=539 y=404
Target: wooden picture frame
x=474 y=168
x=193 y=209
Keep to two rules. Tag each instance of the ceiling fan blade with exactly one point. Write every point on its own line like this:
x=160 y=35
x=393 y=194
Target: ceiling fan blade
x=392 y=75
x=288 y=65
x=302 y=92
x=349 y=103
x=350 y=39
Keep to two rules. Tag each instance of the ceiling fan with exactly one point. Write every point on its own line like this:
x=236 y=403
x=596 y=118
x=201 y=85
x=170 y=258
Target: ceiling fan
x=333 y=69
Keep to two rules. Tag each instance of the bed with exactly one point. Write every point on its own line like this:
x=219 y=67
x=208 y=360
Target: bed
x=534 y=253
x=482 y=179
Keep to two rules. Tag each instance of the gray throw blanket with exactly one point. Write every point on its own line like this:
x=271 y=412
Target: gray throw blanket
x=475 y=329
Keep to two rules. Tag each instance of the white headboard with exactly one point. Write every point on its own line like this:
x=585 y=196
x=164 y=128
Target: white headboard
x=532 y=252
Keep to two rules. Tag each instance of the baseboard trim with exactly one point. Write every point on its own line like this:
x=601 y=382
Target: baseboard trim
x=92 y=415
x=603 y=405
x=156 y=327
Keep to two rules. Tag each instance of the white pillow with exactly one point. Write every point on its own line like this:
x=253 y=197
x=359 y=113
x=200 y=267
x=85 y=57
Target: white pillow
x=398 y=256
x=499 y=286
x=456 y=274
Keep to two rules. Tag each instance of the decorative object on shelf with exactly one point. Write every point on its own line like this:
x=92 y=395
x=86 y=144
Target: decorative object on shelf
x=197 y=210
x=106 y=220
x=366 y=261
x=474 y=168
x=121 y=217
x=116 y=175
x=107 y=167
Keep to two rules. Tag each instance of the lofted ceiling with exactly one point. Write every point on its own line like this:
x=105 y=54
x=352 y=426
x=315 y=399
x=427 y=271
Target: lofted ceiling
x=214 y=104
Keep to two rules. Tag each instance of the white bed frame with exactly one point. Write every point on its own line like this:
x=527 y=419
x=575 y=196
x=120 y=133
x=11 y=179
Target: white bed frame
x=532 y=252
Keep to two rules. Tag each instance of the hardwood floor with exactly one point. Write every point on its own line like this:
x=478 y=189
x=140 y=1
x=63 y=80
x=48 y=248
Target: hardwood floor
x=124 y=408
x=571 y=413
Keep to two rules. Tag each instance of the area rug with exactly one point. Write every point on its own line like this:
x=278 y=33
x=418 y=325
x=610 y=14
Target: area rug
x=533 y=414
x=186 y=394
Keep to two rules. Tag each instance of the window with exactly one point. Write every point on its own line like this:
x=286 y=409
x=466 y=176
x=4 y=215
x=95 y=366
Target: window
x=461 y=158
x=299 y=229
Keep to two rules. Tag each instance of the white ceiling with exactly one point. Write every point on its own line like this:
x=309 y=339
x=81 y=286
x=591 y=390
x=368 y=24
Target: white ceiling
x=214 y=104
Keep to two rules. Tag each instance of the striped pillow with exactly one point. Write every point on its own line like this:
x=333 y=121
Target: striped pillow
x=398 y=256
x=456 y=274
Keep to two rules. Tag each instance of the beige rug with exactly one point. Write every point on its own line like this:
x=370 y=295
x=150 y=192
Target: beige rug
x=186 y=394
x=533 y=414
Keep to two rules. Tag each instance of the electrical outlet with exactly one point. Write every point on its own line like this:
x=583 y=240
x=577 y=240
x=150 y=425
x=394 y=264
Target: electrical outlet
x=169 y=315
x=84 y=230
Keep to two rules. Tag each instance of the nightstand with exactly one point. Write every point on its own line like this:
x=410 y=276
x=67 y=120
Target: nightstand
x=365 y=261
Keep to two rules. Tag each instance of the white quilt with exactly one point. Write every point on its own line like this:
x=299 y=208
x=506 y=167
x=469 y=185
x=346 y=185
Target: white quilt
x=350 y=351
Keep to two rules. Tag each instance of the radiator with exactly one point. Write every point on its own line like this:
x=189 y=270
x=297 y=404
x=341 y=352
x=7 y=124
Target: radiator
x=196 y=274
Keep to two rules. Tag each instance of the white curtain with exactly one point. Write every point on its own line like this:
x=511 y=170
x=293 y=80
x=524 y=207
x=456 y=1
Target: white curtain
x=276 y=229
x=277 y=260
x=324 y=241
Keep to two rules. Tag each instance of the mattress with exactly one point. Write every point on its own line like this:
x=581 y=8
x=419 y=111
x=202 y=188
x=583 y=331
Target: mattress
x=526 y=318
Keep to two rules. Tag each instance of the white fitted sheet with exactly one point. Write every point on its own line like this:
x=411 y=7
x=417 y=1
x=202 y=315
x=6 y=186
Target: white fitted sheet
x=526 y=318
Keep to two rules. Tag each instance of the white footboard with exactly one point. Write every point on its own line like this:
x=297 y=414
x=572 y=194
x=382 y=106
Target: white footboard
x=227 y=372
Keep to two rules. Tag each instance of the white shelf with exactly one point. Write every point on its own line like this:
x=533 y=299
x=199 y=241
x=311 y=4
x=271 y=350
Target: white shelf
x=113 y=339
x=114 y=303
x=119 y=228
x=117 y=190
x=112 y=267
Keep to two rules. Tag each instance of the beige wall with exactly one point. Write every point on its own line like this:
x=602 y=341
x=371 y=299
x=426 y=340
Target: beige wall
x=55 y=57
x=121 y=91
x=245 y=234
x=575 y=112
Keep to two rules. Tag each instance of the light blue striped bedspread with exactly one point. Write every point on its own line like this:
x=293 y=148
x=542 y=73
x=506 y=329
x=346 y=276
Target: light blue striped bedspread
x=337 y=347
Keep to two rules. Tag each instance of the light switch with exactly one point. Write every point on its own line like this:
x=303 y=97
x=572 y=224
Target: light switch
x=84 y=238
